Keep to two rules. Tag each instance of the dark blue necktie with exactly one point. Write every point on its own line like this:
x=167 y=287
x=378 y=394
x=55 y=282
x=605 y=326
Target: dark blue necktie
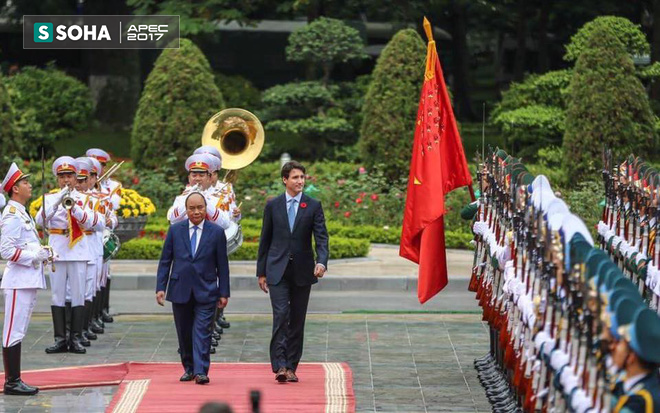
x=193 y=240
x=292 y=213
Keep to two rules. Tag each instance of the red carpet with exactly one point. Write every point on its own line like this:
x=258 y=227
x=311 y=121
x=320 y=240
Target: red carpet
x=155 y=387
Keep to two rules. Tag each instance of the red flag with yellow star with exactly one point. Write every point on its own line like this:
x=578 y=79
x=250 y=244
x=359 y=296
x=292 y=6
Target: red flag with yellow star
x=438 y=166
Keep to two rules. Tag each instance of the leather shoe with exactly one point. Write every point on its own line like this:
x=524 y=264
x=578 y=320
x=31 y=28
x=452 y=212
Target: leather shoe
x=202 y=379
x=222 y=322
x=281 y=375
x=19 y=388
x=187 y=377
x=291 y=376
x=214 y=342
x=212 y=350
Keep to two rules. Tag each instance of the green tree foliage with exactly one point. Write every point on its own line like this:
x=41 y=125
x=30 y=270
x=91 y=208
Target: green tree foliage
x=607 y=105
x=325 y=42
x=50 y=105
x=238 y=92
x=10 y=139
x=628 y=33
x=179 y=97
x=390 y=107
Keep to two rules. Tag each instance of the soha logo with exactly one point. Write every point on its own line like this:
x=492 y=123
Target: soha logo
x=43 y=32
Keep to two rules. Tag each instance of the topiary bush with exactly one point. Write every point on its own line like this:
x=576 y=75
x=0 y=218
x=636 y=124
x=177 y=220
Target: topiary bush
x=629 y=34
x=238 y=92
x=50 y=106
x=531 y=128
x=179 y=97
x=607 y=106
x=390 y=106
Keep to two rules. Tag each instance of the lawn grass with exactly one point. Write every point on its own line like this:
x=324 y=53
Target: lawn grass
x=116 y=142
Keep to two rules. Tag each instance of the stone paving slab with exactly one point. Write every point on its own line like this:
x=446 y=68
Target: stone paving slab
x=400 y=362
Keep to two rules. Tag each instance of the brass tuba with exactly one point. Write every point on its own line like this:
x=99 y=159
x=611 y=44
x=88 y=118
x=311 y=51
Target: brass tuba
x=238 y=134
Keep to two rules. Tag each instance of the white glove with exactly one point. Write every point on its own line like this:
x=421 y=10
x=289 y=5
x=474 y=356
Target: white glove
x=41 y=256
x=59 y=196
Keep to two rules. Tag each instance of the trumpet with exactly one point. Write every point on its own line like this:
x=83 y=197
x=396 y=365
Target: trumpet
x=67 y=201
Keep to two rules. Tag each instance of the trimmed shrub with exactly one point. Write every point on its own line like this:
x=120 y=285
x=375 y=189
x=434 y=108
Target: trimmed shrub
x=629 y=34
x=51 y=106
x=238 y=92
x=140 y=249
x=179 y=97
x=607 y=106
x=530 y=128
x=390 y=106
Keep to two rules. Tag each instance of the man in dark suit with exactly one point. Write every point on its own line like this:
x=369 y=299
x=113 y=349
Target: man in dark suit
x=194 y=271
x=286 y=266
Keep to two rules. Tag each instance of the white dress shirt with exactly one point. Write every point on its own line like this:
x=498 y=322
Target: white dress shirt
x=191 y=227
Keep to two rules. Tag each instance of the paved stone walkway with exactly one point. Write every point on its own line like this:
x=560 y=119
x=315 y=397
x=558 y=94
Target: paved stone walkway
x=402 y=362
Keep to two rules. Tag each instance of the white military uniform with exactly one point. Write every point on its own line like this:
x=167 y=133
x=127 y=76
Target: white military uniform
x=73 y=255
x=177 y=212
x=22 y=277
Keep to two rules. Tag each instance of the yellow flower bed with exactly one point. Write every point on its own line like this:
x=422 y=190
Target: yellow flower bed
x=132 y=204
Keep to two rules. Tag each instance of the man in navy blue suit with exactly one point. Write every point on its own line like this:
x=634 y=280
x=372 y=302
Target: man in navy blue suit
x=286 y=267
x=194 y=271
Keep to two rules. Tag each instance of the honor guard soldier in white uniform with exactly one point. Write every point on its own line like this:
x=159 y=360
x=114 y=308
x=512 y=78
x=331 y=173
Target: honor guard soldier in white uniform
x=66 y=216
x=84 y=168
x=199 y=174
x=111 y=191
x=3 y=201
x=23 y=275
x=104 y=207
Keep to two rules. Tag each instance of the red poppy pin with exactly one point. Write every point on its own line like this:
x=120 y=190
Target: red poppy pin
x=303 y=205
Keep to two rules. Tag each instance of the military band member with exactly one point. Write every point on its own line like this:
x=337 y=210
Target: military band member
x=103 y=206
x=66 y=216
x=111 y=190
x=199 y=168
x=638 y=355
x=23 y=275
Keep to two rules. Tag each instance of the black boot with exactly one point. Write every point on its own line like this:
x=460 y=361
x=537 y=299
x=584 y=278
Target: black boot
x=105 y=310
x=87 y=333
x=11 y=357
x=95 y=323
x=77 y=316
x=59 y=330
x=67 y=318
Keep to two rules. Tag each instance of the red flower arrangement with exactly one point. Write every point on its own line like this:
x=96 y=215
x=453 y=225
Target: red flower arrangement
x=358 y=201
x=303 y=205
x=337 y=204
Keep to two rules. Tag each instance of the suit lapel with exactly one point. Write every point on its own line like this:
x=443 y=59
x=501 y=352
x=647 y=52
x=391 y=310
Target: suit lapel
x=205 y=235
x=284 y=213
x=300 y=212
x=185 y=235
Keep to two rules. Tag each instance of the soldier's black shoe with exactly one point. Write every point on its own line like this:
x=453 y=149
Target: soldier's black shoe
x=187 y=377
x=218 y=329
x=214 y=342
x=60 y=346
x=95 y=327
x=11 y=357
x=76 y=347
x=212 y=350
x=215 y=335
x=90 y=334
x=222 y=322
x=84 y=341
x=106 y=317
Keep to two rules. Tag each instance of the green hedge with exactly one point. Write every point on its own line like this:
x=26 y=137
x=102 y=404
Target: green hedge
x=150 y=249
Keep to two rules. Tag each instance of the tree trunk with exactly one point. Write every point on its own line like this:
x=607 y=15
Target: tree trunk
x=521 y=41
x=543 y=53
x=655 y=46
x=461 y=67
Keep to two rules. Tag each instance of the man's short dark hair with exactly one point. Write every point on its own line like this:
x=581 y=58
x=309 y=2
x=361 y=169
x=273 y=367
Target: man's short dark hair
x=195 y=193
x=289 y=166
x=215 y=407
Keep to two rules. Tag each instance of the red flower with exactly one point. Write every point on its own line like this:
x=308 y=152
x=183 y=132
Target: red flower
x=362 y=170
x=136 y=180
x=303 y=205
x=363 y=194
x=374 y=197
x=337 y=204
x=347 y=214
x=358 y=201
x=141 y=235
